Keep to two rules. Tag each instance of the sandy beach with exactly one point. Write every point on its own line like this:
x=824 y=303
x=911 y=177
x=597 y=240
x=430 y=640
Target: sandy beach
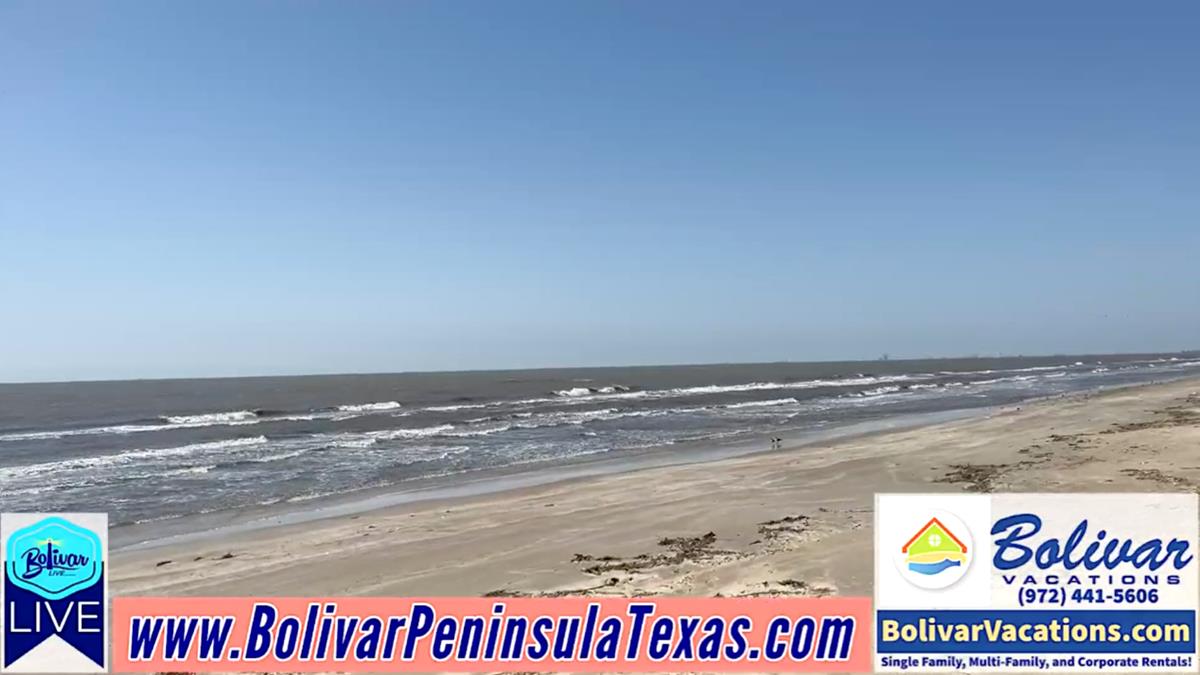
x=794 y=521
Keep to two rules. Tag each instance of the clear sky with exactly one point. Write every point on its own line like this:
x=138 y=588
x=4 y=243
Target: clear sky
x=234 y=188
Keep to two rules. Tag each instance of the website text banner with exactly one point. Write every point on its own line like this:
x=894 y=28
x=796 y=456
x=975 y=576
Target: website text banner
x=1029 y=582
x=569 y=634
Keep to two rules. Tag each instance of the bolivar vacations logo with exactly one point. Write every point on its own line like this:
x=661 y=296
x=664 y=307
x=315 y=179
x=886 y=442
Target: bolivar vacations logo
x=937 y=554
x=55 y=591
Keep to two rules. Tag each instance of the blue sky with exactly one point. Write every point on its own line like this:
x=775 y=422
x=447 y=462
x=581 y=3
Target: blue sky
x=234 y=188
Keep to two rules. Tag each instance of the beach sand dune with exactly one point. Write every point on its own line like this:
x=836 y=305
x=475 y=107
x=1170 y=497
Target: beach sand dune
x=796 y=521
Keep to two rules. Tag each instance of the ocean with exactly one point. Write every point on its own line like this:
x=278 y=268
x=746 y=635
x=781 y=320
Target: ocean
x=162 y=451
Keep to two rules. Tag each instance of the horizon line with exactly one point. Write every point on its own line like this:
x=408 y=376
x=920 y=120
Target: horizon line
x=885 y=358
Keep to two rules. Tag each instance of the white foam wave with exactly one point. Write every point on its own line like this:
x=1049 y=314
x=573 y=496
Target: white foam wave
x=65 y=433
x=307 y=417
x=211 y=419
x=413 y=433
x=278 y=456
x=169 y=423
x=1031 y=369
x=126 y=457
x=481 y=431
x=487 y=426
x=760 y=404
x=460 y=406
x=576 y=392
x=369 y=438
x=546 y=420
x=355 y=441
x=586 y=395
x=190 y=471
x=379 y=406
x=804 y=384
x=996 y=380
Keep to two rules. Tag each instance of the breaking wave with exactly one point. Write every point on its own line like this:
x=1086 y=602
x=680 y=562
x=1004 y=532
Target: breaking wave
x=379 y=406
x=208 y=419
x=458 y=406
x=576 y=392
x=128 y=456
x=760 y=404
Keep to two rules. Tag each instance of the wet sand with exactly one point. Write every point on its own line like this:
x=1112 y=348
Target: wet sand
x=795 y=521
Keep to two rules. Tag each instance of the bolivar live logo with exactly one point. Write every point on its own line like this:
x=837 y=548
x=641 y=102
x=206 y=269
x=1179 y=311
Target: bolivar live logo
x=54 y=595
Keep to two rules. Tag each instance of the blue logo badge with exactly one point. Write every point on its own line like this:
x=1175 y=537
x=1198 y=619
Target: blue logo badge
x=54 y=585
x=54 y=558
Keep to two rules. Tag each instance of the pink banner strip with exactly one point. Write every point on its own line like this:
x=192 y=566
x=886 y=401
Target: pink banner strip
x=573 y=634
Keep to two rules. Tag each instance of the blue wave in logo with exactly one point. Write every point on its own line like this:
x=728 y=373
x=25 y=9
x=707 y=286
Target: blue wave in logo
x=933 y=568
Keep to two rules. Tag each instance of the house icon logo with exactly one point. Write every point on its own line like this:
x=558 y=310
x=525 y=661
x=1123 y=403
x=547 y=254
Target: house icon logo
x=937 y=554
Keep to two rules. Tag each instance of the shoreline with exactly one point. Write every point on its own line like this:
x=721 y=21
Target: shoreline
x=659 y=530
x=513 y=478
x=463 y=486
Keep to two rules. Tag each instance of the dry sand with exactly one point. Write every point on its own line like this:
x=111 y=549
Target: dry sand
x=793 y=521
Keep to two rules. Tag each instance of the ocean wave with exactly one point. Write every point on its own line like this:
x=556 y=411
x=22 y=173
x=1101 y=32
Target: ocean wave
x=545 y=421
x=264 y=459
x=802 y=384
x=169 y=423
x=460 y=406
x=379 y=406
x=577 y=396
x=213 y=419
x=558 y=419
x=488 y=426
x=1030 y=369
x=422 y=432
x=588 y=395
x=480 y=431
x=366 y=439
x=997 y=380
x=500 y=418
x=347 y=440
x=576 y=392
x=178 y=422
x=78 y=463
x=66 y=433
x=189 y=471
x=759 y=404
